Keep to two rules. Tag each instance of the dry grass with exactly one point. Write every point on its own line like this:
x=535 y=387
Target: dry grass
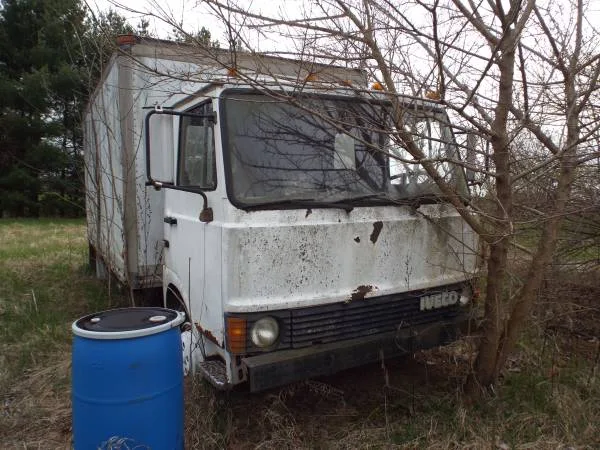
x=420 y=407
x=37 y=409
x=549 y=397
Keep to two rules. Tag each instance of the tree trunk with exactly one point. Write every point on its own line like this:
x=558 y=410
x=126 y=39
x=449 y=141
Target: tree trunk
x=543 y=256
x=485 y=374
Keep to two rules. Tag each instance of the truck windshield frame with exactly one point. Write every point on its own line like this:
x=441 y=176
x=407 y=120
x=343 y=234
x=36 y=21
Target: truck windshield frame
x=329 y=151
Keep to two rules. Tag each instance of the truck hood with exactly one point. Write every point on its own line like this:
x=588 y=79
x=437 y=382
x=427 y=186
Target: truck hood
x=296 y=258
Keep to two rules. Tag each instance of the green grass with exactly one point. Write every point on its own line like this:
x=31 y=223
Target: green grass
x=549 y=399
x=44 y=286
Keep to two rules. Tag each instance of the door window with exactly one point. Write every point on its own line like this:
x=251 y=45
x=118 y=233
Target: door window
x=197 y=166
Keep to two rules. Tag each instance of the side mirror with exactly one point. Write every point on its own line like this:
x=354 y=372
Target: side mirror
x=160 y=157
x=163 y=134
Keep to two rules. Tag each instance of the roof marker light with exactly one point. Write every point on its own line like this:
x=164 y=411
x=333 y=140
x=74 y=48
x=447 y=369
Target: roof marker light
x=433 y=95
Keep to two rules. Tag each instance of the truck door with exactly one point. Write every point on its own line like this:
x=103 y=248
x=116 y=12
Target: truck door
x=184 y=229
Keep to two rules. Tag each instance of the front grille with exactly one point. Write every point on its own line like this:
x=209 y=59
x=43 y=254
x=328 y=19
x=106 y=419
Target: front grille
x=360 y=318
x=335 y=322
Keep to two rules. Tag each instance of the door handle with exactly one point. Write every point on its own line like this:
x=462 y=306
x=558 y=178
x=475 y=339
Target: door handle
x=170 y=220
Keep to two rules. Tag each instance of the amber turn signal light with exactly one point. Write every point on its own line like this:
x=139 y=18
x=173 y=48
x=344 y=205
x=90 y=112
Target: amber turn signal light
x=236 y=335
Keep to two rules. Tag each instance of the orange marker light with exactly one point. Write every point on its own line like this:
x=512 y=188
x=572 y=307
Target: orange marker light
x=311 y=77
x=126 y=39
x=236 y=335
x=232 y=72
x=433 y=95
x=377 y=86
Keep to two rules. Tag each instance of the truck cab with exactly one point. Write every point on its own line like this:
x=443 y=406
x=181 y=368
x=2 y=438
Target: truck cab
x=299 y=237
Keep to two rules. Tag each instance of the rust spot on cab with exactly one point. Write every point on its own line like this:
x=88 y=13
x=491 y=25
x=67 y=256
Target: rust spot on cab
x=360 y=292
x=211 y=337
x=377 y=226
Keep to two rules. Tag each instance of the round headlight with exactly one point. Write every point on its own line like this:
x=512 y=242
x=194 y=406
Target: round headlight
x=265 y=332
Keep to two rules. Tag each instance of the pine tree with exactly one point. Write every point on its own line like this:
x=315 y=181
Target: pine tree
x=38 y=81
x=51 y=56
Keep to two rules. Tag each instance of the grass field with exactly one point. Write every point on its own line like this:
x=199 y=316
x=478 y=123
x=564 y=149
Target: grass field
x=548 y=398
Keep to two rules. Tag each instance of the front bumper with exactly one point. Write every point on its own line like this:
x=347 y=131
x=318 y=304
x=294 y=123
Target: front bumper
x=282 y=367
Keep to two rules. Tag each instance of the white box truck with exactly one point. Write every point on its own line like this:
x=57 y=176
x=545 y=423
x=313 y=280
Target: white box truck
x=265 y=198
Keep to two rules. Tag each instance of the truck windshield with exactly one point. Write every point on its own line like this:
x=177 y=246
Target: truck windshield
x=327 y=151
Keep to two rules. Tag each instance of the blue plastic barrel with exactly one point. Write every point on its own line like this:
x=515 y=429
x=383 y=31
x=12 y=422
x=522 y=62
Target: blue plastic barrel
x=128 y=380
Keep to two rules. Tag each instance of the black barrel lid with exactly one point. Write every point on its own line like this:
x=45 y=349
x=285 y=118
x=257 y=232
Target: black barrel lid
x=125 y=323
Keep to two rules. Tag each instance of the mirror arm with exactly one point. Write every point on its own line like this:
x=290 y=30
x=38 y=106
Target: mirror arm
x=206 y=215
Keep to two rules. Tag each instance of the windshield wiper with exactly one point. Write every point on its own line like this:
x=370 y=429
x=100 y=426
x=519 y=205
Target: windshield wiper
x=358 y=198
x=415 y=202
x=299 y=203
